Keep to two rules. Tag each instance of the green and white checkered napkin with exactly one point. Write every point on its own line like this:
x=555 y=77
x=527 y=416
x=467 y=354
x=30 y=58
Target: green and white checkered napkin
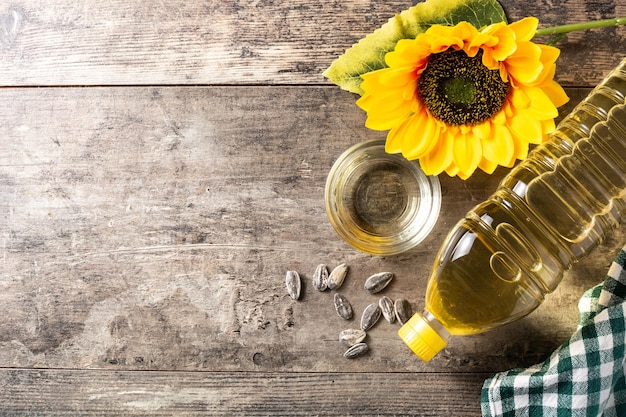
x=586 y=375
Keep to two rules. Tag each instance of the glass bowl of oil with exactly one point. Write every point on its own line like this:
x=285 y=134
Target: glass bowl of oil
x=380 y=203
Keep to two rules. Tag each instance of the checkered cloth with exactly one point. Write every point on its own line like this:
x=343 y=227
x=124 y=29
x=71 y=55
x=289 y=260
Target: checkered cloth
x=586 y=375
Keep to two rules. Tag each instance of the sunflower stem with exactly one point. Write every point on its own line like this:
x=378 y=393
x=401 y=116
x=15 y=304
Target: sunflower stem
x=563 y=29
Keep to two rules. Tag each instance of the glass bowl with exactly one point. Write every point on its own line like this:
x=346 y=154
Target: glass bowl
x=380 y=203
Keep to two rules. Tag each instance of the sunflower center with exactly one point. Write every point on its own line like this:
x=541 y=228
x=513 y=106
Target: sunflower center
x=460 y=90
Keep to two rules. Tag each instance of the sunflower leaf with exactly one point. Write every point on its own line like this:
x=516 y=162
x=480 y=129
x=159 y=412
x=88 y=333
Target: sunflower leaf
x=369 y=53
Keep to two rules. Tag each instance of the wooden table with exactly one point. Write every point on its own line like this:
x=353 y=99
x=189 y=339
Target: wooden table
x=162 y=165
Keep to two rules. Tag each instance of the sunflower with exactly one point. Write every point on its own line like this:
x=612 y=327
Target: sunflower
x=458 y=98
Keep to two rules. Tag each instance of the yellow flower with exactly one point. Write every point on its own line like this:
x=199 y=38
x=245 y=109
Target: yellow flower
x=458 y=98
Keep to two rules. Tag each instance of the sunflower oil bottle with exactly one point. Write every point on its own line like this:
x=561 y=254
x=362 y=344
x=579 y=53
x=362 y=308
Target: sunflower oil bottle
x=554 y=208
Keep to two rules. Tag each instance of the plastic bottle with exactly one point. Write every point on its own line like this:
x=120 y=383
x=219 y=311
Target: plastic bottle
x=555 y=207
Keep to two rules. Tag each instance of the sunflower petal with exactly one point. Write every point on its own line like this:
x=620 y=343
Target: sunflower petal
x=525 y=64
x=548 y=126
x=521 y=149
x=482 y=130
x=441 y=37
x=371 y=100
x=519 y=99
x=452 y=170
x=525 y=28
x=487 y=166
x=482 y=39
x=420 y=136
x=499 y=147
x=464 y=175
x=397 y=77
x=549 y=54
x=467 y=153
x=547 y=74
x=380 y=115
x=556 y=93
x=393 y=144
x=541 y=105
x=505 y=44
x=409 y=136
x=371 y=80
x=439 y=157
x=385 y=122
x=408 y=53
x=526 y=127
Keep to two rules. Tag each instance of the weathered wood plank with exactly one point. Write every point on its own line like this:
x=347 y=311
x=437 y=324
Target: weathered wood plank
x=143 y=230
x=91 y=393
x=134 y=42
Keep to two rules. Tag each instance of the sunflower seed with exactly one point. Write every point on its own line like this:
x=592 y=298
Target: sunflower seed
x=294 y=285
x=370 y=316
x=356 y=350
x=386 y=307
x=378 y=282
x=403 y=310
x=320 y=277
x=343 y=307
x=337 y=276
x=351 y=337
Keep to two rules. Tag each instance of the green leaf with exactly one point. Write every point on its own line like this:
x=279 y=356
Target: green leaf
x=369 y=53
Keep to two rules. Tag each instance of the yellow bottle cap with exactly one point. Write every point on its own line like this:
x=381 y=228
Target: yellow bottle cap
x=423 y=340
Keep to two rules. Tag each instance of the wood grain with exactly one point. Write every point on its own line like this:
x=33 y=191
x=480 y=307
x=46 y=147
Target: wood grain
x=147 y=221
x=121 y=42
x=143 y=230
x=246 y=394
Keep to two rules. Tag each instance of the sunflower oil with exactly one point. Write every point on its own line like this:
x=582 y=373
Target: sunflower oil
x=378 y=202
x=554 y=208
